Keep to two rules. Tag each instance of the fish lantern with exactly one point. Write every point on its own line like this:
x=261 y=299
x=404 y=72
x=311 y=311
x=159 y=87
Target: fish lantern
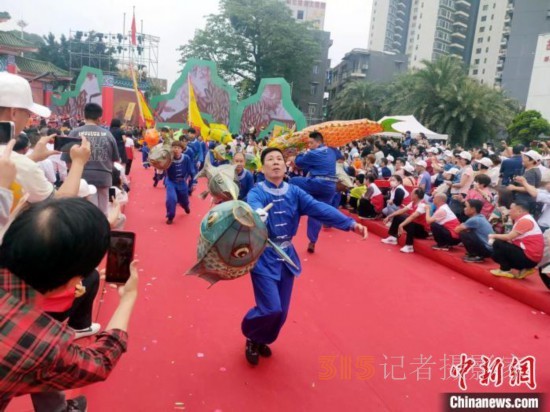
x=222 y=182
x=160 y=157
x=151 y=137
x=232 y=239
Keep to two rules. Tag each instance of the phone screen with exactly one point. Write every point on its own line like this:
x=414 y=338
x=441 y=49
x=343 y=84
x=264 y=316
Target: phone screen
x=7 y=131
x=119 y=256
x=112 y=194
x=64 y=144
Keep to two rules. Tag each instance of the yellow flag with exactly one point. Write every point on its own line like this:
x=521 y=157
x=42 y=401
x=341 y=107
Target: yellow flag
x=194 y=117
x=144 y=111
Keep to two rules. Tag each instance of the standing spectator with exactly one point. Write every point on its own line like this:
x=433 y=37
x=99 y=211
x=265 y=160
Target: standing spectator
x=513 y=166
x=474 y=233
x=465 y=177
x=442 y=223
x=118 y=134
x=129 y=148
x=98 y=171
x=410 y=219
x=16 y=106
x=46 y=250
x=522 y=248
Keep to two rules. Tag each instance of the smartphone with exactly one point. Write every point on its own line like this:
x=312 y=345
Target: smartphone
x=64 y=144
x=112 y=194
x=119 y=256
x=7 y=131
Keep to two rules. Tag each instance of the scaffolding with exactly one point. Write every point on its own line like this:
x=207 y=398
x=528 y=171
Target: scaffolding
x=113 y=53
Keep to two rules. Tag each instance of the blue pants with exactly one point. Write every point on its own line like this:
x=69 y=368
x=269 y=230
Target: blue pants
x=263 y=323
x=145 y=156
x=321 y=190
x=176 y=193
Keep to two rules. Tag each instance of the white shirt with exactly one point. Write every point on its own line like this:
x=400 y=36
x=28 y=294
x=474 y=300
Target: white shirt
x=543 y=196
x=31 y=177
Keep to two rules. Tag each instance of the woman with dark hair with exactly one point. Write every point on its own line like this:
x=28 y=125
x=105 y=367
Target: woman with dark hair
x=117 y=133
x=399 y=196
x=372 y=202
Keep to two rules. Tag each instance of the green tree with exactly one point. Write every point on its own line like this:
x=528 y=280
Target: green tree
x=4 y=16
x=528 y=126
x=359 y=100
x=446 y=100
x=254 y=39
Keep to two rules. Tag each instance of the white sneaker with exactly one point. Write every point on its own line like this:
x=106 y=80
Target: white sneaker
x=407 y=249
x=92 y=330
x=390 y=240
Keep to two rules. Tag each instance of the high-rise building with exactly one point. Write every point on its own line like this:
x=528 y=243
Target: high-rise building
x=310 y=95
x=424 y=29
x=491 y=40
x=531 y=18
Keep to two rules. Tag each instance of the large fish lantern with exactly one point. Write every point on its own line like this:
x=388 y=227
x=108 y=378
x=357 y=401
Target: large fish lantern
x=232 y=239
x=222 y=183
x=160 y=156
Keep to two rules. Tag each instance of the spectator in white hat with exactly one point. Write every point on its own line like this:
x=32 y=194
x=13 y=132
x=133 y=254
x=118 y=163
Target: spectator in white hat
x=16 y=105
x=465 y=179
x=424 y=178
x=532 y=176
x=408 y=175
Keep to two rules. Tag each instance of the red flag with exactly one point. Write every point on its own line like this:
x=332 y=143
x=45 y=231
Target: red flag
x=134 y=29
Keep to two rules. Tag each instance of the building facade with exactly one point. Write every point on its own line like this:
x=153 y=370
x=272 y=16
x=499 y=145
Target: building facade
x=310 y=95
x=531 y=18
x=538 y=97
x=491 y=41
x=366 y=65
x=424 y=29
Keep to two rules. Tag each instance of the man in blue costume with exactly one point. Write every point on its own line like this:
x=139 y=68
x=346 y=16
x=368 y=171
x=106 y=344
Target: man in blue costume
x=272 y=277
x=177 y=175
x=319 y=163
x=246 y=180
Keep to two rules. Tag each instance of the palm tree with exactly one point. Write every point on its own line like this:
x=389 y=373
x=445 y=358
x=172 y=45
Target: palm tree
x=359 y=100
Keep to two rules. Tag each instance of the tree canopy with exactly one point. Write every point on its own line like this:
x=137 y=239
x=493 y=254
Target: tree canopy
x=254 y=39
x=528 y=126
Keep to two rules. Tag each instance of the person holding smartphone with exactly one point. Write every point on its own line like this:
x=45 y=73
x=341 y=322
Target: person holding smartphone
x=38 y=260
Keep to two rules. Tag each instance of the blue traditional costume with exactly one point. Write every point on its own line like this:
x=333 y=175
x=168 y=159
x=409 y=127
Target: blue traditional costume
x=320 y=166
x=177 y=191
x=246 y=182
x=272 y=277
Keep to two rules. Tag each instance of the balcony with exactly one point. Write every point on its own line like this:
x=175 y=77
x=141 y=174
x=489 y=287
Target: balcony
x=503 y=44
x=506 y=32
x=358 y=75
x=399 y=19
x=462 y=4
x=398 y=28
x=459 y=35
x=401 y=5
x=401 y=12
x=460 y=14
x=397 y=35
x=458 y=23
x=457 y=46
x=396 y=43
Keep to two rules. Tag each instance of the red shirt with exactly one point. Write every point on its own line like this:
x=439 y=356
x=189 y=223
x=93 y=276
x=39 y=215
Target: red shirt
x=37 y=353
x=530 y=240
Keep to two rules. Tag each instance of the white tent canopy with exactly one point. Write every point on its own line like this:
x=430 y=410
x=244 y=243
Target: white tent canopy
x=409 y=123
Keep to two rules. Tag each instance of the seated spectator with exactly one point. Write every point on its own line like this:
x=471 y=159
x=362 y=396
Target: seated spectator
x=372 y=202
x=532 y=176
x=494 y=172
x=370 y=166
x=424 y=178
x=484 y=166
x=448 y=178
x=399 y=165
x=357 y=193
x=540 y=195
x=482 y=192
x=384 y=169
x=462 y=183
x=399 y=196
x=51 y=247
x=410 y=219
x=522 y=248
x=442 y=223
x=408 y=176
x=474 y=233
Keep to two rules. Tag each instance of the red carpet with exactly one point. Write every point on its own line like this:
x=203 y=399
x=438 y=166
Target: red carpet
x=355 y=300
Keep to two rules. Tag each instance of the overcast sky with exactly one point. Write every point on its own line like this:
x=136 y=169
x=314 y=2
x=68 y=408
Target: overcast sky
x=174 y=21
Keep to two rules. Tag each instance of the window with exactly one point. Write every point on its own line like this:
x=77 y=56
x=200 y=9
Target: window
x=313 y=89
x=487 y=50
x=489 y=38
x=483 y=18
x=312 y=109
x=485 y=7
x=316 y=69
x=478 y=51
x=481 y=29
x=474 y=72
x=485 y=60
x=300 y=15
x=483 y=71
x=476 y=61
